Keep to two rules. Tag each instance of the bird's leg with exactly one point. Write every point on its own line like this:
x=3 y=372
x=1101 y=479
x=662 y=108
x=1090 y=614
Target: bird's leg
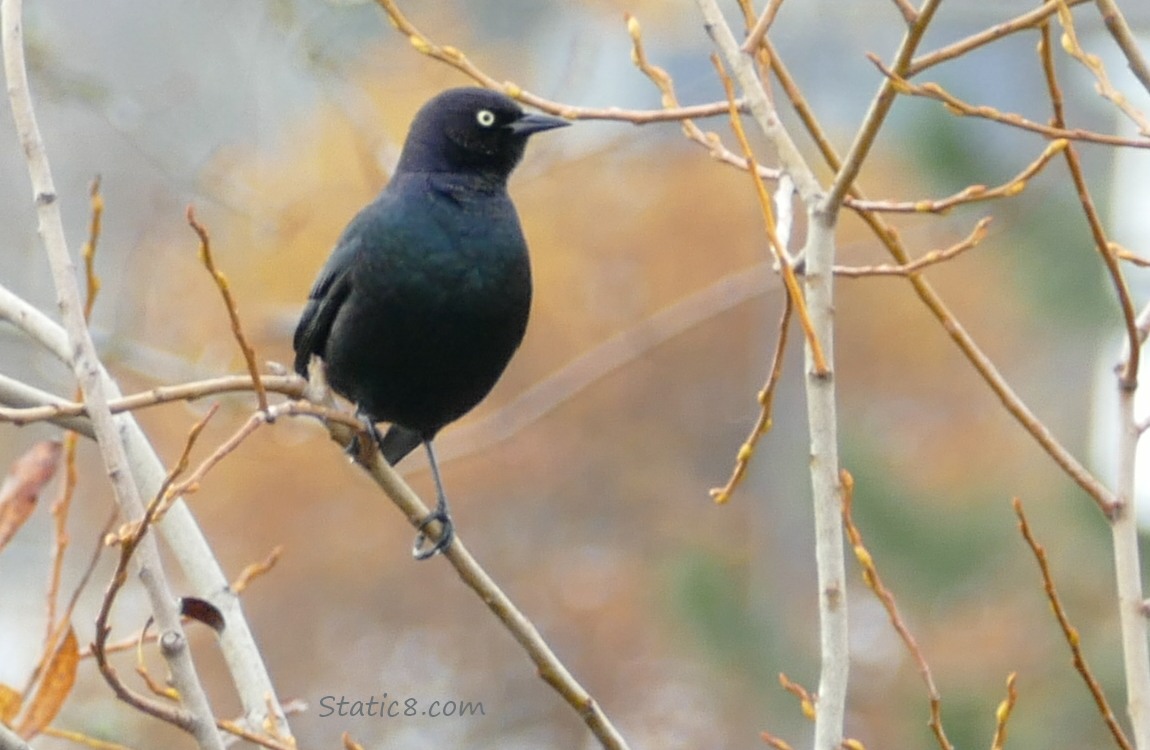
x=441 y=514
x=355 y=447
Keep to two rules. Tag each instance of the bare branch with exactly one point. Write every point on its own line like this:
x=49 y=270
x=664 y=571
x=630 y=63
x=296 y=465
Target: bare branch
x=230 y=303
x=762 y=26
x=958 y=107
x=972 y=194
x=1069 y=632
x=933 y=257
x=1120 y=30
x=1030 y=20
x=778 y=247
x=1092 y=63
x=1002 y=715
x=876 y=114
x=766 y=399
x=50 y=408
x=88 y=371
x=886 y=598
x=457 y=59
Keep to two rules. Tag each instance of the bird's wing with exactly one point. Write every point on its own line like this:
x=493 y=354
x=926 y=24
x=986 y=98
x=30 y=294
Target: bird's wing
x=328 y=294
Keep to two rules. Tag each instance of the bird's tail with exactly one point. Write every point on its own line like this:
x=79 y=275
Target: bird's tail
x=397 y=442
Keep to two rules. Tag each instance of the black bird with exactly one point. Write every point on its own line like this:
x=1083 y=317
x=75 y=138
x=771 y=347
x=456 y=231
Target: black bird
x=426 y=295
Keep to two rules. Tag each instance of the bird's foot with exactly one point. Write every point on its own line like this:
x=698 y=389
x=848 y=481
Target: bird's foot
x=358 y=448
x=446 y=535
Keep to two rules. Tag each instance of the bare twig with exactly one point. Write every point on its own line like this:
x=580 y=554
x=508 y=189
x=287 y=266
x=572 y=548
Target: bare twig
x=972 y=194
x=1029 y=20
x=778 y=246
x=1101 y=243
x=761 y=27
x=1092 y=63
x=807 y=702
x=257 y=569
x=63 y=503
x=255 y=421
x=766 y=399
x=959 y=107
x=1120 y=30
x=886 y=598
x=230 y=303
x=776 y=742
x=88 y=251
x=1069 y=632
x=909 y=14
x=1125 y=254
x=662 y=80
x=1002 y=715
x=876 y=114
x=932 y=258
x=57 y=410
x=457 y=59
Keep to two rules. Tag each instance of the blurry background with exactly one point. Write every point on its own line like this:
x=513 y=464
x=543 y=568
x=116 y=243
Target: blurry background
x=280 y=119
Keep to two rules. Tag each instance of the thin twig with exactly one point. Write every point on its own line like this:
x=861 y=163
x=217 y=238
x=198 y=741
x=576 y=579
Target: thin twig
x=455 y=58
x=1002 y=715
x=1029 y=20
x=1069 y=632
x=766 y=399
x=1120 y=30
x=1094 y=64
x=807 y=702
x=877 y=112
x=1129 y=376
x=963 y=109
x=778 y=247
x=88 y=251
x=886 y=598
x=129 y=540
x=191 y=483
x=973 y=194
x=762 y=26
x=909 y=14
x=221 y=282
x=931 y=258
x=257 y=569
x=287 y=385
x=662 y=80
x=63 y=503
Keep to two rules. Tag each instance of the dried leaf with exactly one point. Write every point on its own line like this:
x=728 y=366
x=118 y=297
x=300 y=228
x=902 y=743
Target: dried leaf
x=54 y=688
x=202 y=611
x=25 y=479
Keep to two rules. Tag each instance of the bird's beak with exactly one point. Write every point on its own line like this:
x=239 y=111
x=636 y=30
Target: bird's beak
x=533 y=123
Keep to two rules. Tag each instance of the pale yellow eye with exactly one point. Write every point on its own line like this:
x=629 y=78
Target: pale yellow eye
x=485 y=117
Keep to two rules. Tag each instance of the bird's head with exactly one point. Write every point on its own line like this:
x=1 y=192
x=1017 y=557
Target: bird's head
x=471 y=130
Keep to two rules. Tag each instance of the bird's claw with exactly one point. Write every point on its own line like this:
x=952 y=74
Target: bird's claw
x=446 y=535
x=358 y=448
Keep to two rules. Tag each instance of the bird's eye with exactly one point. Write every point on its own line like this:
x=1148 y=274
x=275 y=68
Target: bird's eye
x=485 y=117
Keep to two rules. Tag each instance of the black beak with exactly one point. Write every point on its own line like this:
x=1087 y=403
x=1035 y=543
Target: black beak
x=533 y=123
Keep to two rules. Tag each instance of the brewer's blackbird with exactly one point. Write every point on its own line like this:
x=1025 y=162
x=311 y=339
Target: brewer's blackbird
x=426 y=295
